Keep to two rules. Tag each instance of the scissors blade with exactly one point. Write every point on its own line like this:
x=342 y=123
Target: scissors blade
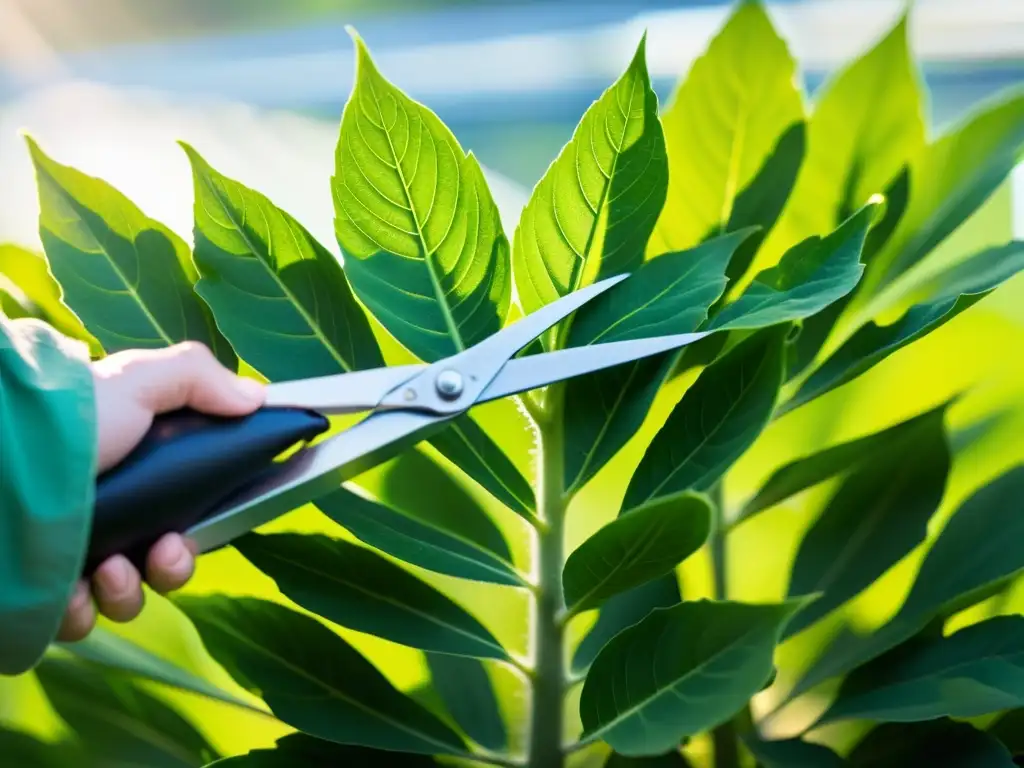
x=341 y=393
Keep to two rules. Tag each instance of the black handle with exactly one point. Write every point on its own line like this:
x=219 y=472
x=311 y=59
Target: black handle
x=187 y=464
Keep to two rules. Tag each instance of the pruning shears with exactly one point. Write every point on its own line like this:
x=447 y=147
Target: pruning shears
x=214 y=479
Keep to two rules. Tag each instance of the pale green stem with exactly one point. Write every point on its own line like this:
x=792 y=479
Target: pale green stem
x=726 y=748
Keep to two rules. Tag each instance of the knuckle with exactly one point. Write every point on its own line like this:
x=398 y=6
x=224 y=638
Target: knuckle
x=194 y=350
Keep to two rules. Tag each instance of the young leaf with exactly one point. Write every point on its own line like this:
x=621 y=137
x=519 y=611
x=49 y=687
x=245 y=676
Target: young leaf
x=879 y=515
x=414 y=217
x=723 y=124
x=594 y=209
x=975 y=671
x=669 y=294
x=718 y=418
x=660 y=681
x=635 y=548
x=622 y=611
x=117 y=723
x=672 y=759
x=297 y=750
x=129 y=278
x=356 y=588
x=791 y=753
x=467 y=693
x=417 y=542
x=936 y=742
x=960 y=288
x=312 y=679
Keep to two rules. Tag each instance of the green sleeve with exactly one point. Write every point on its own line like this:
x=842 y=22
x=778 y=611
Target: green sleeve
x=47 y=476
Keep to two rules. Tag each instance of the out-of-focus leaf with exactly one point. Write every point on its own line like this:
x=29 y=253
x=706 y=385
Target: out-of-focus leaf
x=635 y=548
x=593 y=211
x=129 y=278
x=421 y=234
x=790 y=753
x=467 y=693
x=668 y=760
x=356 y=588
x=117 y=723
x=312 y=679
x=722 y=125
x=660 y=681
x=878 y=516
x=1009 y=729
x=718 y=418
x=20 y=750
x=667 y=295
x=297 y=750
x=936 y=742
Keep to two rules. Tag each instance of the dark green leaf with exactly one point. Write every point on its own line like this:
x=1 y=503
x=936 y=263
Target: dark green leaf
x=117 y=723
x=356 y=588
x=975 y=671
x=622 y=611
x=936 y=742
x=297 y=750
x=417 y=542
x=718 y=418
x=128 y=277
x=421 y=234
x=1009 y=729
x=635 y=548
x=21 y=750
x=467 y=693
x=791 y=753
x=722 y=125
x=668 y=760
x=594 y=209
x=812 y=275
x=660 y=681
x=312 y=679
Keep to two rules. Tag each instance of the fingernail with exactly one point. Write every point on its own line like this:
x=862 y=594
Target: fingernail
x=248 y=388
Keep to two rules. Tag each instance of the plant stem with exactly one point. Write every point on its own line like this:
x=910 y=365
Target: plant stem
x=545 y=748
x=726 y=748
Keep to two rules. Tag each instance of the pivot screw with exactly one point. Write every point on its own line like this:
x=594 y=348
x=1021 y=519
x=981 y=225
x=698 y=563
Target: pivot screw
x=449 y=384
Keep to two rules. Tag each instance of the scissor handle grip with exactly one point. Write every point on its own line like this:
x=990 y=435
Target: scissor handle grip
x=187 y=464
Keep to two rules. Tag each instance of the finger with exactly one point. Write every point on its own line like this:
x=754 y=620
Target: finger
x=118 y=589
x=80 y=617
x=170 y=564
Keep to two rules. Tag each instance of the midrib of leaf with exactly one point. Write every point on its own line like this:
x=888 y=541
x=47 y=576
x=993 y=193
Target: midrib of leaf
x=384 y=599
x=240 y=229
x=439 y=294
x=331 y=690
x=732 y=180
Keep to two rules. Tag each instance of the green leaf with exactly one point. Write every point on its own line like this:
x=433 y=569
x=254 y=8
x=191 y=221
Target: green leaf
x=936 y=742
x=954 y=291
x=422 y=237
x=723 y=124
x=129 y=278
x=808 y=471
x=356 y=588
x=790 y=753
x=635 y=548
x=23 y=750
x=812 y=275
x=659 y=681
x=623 y=611
x=667 y=295
x=118 y=723
x=718 y=418
x=312 y=679
x=878 y=516
x=975 y=671
x=467 y=693
x=1009 y=729
x=952 y=178
x=416 y=542
x=297 y=750
x=592 y=212
x=667 y=760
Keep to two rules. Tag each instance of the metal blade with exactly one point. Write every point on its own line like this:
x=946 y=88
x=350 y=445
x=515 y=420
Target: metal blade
x=523 y=374
x=342 y=393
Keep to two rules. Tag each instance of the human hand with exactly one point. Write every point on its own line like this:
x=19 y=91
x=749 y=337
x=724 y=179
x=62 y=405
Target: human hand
x=131 y=388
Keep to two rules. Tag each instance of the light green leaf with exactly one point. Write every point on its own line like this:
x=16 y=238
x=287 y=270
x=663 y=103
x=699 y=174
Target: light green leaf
x=954 y=291
x=297 y=750
x=634 y=549
x=312 y=679
x=812 y=275
x=667 y=295
x=936 y=742
x=718 y=418
x=356 y=588
x=421 y=234
x=467 y=693
x=591 y=214
x=790 y=753
x=129 y=278
x=723 y=124
x=118 y=723
x=975 y=671
x=659 y=681
x=878 y=516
